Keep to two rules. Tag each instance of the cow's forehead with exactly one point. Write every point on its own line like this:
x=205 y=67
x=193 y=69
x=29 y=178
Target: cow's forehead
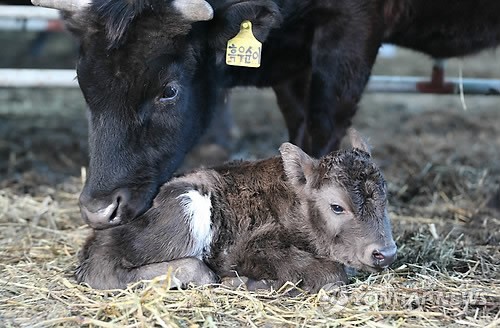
x=120 y=17
x=150 y=30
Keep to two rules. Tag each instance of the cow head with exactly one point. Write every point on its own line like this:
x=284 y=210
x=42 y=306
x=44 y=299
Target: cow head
x=346 y=197
x=147 y=71
x=141 y=75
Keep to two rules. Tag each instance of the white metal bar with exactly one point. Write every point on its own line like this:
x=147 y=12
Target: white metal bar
x=32 y=24
x=28 y=12
x=66 y=78
x=409 y=84
x=38 y=78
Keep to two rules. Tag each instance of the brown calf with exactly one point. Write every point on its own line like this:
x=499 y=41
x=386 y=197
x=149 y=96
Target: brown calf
x=287 y=218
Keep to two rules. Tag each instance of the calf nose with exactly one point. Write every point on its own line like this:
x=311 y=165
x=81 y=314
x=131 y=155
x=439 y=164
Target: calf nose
x=103 y=213
x=383 y=257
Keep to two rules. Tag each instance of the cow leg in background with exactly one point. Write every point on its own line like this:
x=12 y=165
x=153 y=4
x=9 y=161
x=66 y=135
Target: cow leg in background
x=340 y=73
x=221 y=127
x=216 y=144
x=293 y=99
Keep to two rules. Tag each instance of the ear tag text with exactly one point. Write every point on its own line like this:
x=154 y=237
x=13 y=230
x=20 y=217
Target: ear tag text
x=244 y=49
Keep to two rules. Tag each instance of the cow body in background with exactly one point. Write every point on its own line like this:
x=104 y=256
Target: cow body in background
x=288 y=218
x=153 y=74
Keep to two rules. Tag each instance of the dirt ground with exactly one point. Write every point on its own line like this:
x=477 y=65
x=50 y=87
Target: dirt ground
x=441 y=162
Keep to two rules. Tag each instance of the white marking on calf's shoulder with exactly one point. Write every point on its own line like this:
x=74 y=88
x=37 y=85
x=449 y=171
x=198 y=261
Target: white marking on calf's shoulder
x=197 y=208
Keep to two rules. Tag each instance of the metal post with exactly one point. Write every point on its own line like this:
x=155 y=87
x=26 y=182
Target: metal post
x=38 y=78
x=30 y=18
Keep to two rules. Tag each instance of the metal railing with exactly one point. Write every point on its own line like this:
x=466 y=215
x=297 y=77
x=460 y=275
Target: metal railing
x=32 y=18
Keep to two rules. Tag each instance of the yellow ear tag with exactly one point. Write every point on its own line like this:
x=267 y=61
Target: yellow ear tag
x=244 y=49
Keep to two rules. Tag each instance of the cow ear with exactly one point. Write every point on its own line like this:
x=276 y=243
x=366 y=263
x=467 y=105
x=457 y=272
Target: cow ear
x=194 y=10
x=298 y=166
x=357 y=141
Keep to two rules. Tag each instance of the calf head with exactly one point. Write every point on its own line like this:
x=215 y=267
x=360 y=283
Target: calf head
x=148 y=78
x=345 y=197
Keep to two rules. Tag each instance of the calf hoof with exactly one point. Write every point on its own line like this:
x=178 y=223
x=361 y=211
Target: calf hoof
x=247 y=283
x=234 y=282
x=254 y=285
x=183 y=272
x=195 y=273
x=335 y=286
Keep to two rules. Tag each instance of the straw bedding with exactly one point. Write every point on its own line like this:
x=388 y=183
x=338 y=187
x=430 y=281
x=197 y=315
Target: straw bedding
x=441 y=163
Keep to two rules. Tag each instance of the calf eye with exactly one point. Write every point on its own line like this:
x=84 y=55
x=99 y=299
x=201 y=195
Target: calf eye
x=169 y=93
x=337 y=209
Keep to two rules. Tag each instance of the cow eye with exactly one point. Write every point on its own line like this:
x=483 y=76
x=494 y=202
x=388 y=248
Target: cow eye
x=169 y=93
x=337 y=209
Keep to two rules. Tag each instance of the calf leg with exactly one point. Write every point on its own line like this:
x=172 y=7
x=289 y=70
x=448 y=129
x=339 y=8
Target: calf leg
x=309 y=272
x=342 y=58
x=112 y=274
x=266 y=255
x=143 y=249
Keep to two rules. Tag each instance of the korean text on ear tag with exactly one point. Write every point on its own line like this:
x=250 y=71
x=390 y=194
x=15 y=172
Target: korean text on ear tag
x=244 y=49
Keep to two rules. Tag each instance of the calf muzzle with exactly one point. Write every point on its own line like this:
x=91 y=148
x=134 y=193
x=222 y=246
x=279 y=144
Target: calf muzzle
x=383 y=257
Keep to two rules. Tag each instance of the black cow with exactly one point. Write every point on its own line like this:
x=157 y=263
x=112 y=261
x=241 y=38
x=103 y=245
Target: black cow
x=153 y=74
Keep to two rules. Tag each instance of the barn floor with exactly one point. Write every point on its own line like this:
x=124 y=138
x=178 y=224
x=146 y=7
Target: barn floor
x=441 y=162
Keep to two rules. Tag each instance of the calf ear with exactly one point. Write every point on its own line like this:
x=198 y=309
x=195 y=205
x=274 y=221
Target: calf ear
x=357 y=141
x=194 y=10
x=299 y=167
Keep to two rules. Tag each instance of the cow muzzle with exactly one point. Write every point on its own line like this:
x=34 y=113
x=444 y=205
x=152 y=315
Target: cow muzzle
x=101 y=214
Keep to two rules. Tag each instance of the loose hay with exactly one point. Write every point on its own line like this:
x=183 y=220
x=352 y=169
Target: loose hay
x=438 y=282
x=442 y=168
x=447 y=272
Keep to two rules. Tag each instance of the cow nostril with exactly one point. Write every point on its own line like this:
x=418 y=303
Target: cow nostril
x=378 y=256
x=100 y=218
x=114 y=214
x=120 y=198
x=106 y=212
